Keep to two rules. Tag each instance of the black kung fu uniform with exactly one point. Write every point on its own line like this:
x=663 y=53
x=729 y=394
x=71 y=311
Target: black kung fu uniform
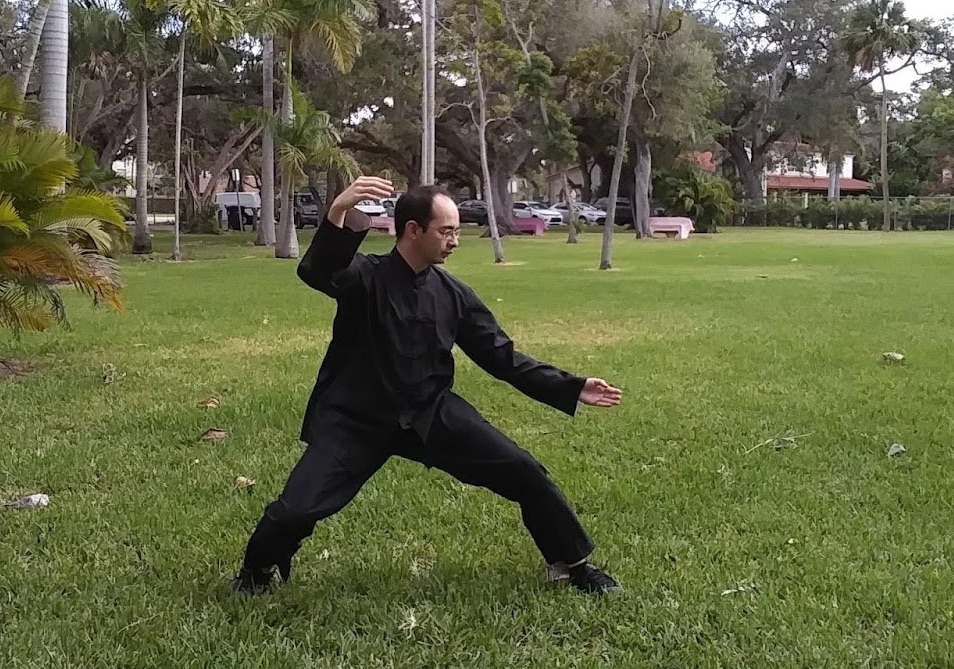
x=384 y=388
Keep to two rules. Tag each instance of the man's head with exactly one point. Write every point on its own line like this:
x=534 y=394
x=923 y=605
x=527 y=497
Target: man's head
x=427 y=224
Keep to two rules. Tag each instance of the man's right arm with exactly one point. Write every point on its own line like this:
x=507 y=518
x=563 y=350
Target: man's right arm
x=329 y=264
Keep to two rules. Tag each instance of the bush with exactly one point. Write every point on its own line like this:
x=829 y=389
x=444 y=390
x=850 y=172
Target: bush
x=704 y=198
x=849 y=213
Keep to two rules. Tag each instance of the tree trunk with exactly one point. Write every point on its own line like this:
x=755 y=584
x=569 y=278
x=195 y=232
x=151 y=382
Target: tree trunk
x=266 y=224
x=31 y=44
x=489 y=196
x=286 y=245
x=333 y=188
x=835 y=162
x=587 y=176
x=571 y=231
x=885 y=177
x=750 y=168
x=176 y=250
x=55 y=55
x=642 y=172
x=606 y=259
x=142 y=242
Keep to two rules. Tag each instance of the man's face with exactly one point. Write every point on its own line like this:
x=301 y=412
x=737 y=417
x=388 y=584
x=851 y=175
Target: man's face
x=435 y=244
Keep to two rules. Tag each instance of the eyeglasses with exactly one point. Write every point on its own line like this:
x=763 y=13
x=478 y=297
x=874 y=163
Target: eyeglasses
x=453 y=233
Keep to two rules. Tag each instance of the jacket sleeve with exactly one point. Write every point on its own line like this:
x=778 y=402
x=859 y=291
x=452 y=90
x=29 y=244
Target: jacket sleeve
x=482 y=339
x=332 y=262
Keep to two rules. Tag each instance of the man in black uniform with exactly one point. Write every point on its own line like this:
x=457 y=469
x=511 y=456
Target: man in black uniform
x=384 y=388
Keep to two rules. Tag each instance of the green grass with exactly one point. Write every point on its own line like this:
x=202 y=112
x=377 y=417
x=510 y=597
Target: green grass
x=849 y=551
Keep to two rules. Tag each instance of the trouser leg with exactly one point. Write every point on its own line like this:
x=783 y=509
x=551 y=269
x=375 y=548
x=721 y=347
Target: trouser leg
x=466 y=446
x=321 y=484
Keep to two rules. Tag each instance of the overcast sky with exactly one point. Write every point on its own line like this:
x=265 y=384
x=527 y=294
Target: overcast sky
x=917 y=9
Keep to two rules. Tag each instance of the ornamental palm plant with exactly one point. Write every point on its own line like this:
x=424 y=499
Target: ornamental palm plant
x=51 y=233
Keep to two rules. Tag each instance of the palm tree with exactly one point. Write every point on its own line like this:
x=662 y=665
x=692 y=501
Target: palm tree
x=144 y=46
x=334 y=23
x=51 y=232
x=266 y=19
x=55 y=52
x=307 y=142
x=878 y=31
x=32 y=45
x=206 y=20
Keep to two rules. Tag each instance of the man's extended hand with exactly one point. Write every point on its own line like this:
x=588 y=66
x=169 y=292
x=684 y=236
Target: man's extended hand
x=598 y=393
x=362 y=188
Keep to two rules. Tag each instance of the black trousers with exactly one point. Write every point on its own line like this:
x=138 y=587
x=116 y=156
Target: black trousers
x=462 y=443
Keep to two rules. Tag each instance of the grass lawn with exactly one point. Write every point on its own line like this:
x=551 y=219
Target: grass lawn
x=815 y=552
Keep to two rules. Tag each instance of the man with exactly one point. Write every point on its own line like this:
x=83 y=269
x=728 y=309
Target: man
x=384 y=388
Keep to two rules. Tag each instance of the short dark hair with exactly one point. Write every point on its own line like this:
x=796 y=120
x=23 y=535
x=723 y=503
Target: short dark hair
x=417 y=205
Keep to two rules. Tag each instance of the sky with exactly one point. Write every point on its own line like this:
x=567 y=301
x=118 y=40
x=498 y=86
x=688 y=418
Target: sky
x=903 y=81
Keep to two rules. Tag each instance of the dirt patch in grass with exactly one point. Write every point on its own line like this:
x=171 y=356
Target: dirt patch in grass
x=10 y=368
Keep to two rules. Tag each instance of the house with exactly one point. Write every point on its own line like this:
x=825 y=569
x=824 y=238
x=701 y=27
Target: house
x=795 y=167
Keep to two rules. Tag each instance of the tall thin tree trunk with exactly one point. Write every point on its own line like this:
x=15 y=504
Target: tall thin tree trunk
x=177 y=224
x=142 y=242
x=642 y=172
x=266 y=224
x=835 y=163
x=55 y=55
x=886 y=223
x=31 y=45
x=484 y=162
x=286 y=245
x=606 y=255
x=571 y=232
x=428 y=101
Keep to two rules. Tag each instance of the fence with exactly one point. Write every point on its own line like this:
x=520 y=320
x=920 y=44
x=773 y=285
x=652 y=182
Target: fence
x=848 y=213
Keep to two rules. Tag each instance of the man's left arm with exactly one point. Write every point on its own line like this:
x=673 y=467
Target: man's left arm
x=482 y=339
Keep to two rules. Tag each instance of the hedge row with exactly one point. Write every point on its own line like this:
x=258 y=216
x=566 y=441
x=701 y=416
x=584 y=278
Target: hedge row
x=847 y=214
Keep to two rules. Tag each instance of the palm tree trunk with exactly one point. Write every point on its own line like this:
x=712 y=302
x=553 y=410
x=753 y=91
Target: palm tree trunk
x=266 y=224
x=886 y=223
x=55 y=55
x=606 y=259
x=176 y=250
x=142 y=242
x=32 y=44
x=287 y=244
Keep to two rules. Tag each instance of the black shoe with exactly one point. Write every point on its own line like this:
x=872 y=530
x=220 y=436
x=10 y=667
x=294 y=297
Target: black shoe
x=590 y=580
x=254 y=582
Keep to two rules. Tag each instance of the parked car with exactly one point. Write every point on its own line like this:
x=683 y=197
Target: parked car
x=526 y=209
x=624 y=211
x=371 y=208
x=473 y=211
x=306 y=210
x=586 y=214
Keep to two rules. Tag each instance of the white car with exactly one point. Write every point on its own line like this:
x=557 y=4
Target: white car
x=526 y=209
x=371 y=208
x=585 y=213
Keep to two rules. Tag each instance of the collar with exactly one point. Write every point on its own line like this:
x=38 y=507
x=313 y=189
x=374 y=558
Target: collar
x=406 y=270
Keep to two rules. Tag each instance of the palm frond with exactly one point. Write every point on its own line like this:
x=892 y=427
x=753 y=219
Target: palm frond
x=30 y=305
x=9 y=217
x=82 y=214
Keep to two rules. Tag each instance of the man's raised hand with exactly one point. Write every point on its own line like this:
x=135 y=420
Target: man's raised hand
x=598 y=393
x=362 y=188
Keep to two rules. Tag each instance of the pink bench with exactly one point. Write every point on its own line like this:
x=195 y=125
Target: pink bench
x=530 y=226
x=383 y=224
